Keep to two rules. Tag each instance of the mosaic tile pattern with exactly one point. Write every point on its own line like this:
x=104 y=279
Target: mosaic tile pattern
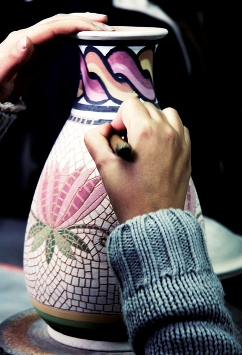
x=65 y=260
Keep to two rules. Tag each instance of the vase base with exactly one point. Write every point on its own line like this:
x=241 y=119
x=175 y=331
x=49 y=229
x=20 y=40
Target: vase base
x=26 y=333
x=89 y=344
x=93 y=327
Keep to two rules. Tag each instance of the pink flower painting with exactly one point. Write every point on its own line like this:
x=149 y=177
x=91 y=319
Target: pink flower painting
x=63 y=200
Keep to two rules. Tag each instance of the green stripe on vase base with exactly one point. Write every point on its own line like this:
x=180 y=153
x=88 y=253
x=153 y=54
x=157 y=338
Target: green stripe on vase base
x=86 y=330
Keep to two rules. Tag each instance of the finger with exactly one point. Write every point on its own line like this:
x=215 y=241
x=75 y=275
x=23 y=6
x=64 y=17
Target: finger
x=174 y=120
x=92 y=16
x=14 y=57
x=64 y=25
x=96 y=138
x=187 y=136
x=130 y=113
x=169 y=115
x=154 y=112
x=59 y=25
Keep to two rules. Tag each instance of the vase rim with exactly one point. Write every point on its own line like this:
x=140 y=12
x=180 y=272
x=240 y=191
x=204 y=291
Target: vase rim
x=124 y=33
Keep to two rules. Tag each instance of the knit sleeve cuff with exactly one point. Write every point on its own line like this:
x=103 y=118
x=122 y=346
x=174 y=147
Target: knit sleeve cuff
x=167 y=243
x=8 y=114
x=6 y=119
x=163 y=269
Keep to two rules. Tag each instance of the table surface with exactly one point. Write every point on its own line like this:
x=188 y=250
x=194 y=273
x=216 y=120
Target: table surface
x=26 y=334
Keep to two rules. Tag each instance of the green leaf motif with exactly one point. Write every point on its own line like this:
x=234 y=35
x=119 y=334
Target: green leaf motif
x=63 y=238
x=50 y=246
x=40 y=232
x=74 y=240
x=64 y=247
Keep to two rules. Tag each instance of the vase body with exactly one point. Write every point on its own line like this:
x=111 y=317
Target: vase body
x=67 y=275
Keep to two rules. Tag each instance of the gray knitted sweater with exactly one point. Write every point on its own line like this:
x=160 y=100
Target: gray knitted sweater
x=172 y=301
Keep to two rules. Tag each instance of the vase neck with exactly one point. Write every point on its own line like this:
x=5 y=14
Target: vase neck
x=111 y=73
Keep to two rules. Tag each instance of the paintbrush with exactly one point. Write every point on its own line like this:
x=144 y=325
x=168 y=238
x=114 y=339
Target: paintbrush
x=120 y=146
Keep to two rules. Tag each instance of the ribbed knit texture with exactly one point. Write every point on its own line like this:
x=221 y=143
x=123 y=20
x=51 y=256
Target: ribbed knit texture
x=171 y=299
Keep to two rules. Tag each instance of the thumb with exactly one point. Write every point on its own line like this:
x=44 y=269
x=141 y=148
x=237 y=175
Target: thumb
x=13 y=57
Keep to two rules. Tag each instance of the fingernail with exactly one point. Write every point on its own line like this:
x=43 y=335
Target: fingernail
x=109 y=28
x=98 y=28
x=95 y=13
x=103 y=27
x=22 y=44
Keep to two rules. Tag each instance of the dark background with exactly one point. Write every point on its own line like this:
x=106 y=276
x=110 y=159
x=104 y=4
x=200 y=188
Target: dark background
x=208 y=100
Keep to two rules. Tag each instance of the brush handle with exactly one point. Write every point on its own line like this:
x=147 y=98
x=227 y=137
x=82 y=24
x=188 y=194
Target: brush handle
x=120 y=146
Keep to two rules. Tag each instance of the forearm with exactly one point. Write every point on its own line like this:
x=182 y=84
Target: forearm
x=171 y=297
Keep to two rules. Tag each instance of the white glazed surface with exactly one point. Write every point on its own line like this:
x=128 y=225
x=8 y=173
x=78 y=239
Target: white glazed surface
x=124 y=32
x=89 y=344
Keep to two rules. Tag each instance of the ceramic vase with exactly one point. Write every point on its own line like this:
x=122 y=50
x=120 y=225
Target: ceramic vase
x=67 y=275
